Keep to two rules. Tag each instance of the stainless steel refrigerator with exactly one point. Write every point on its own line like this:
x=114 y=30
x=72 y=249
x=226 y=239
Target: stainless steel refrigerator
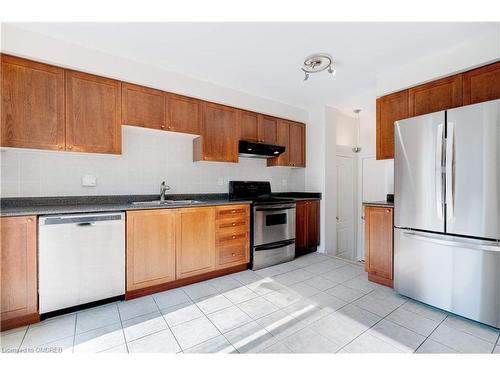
x=447 y=210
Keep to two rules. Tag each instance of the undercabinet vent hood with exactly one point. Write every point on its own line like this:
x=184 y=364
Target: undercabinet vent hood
x=259 y=150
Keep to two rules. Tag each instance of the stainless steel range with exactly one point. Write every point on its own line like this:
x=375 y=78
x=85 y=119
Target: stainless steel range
x=273 y=223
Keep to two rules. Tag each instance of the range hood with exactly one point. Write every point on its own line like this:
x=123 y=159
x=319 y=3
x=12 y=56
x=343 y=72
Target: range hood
x=259 y=150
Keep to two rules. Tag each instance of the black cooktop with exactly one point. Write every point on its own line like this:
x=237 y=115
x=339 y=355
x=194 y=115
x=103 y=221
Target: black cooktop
x=259 y=192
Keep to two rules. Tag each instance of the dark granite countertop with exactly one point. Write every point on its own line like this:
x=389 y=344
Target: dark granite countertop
x=108 y=203
x=299 y=195
x=379 y=204
x=86 y=204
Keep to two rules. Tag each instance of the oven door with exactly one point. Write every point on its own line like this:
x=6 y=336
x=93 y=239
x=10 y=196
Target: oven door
x=274 y=223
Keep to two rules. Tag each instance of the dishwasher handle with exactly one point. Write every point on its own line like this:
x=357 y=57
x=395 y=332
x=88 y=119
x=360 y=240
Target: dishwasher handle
x=80 y=220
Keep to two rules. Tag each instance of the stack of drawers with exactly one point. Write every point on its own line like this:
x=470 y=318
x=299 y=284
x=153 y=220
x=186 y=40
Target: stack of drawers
x=232 y=238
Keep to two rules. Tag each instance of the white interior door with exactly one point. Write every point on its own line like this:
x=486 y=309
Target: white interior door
x=345 y=207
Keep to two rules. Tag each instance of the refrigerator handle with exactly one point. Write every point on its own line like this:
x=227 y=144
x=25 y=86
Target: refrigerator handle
x=450 y=170
x=482 y=245
x=440 y=164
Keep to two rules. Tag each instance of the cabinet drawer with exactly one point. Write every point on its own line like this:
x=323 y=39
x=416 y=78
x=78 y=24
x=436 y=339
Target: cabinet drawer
x=232 y=212
x=223 y=238
x=233 y=253
x=237 y=223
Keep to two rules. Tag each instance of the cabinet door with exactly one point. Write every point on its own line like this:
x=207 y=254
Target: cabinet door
x=18 y=272
x=195 y=241
x=267 y=129
x=482 y=84
x=219 y=140
x=301 y=230
x=93 y=114
x=435 y=96
x=248 y=123
x=296 y=155
x=151 y=242
x=142 y=106
x=379 y=241
x=313 y=223
x=32 y=104
x=183 y=114
x=390 y=108
x=283 y=140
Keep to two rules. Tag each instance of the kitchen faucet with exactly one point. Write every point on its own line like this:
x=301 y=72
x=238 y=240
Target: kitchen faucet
x=163 y=188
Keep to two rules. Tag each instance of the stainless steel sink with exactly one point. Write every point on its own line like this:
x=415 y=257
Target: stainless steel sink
x=165 y=202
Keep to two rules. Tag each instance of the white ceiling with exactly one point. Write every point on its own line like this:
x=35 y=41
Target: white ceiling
x=265 y=58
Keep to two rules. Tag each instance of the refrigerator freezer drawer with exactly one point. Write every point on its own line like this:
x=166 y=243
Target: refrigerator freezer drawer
x=454 y=274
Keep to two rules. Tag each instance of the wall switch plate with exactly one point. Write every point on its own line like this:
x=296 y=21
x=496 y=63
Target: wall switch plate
x=89 y=180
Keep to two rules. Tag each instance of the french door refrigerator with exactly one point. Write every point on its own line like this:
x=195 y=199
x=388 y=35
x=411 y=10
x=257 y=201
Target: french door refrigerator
x=447 y=210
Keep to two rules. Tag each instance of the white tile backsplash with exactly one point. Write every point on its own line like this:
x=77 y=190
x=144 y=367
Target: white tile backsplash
x=148 y=157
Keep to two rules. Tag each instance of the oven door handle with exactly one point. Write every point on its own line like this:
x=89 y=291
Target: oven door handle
x=275 y=245
x=275 y=208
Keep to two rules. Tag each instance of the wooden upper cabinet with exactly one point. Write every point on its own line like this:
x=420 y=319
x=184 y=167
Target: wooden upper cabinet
x=142 y=106
x=283 y=139
x=482 y=84
x=32 y=104
x=18 y=272
x=219 y=134
x=93 y=113
x=195 y=241
x=183 y=114
x=390 y=108
x=379 y=244
x=151 y=243
x=248 y=122
x=297 y=148
x=267 y=129
x=435 y=96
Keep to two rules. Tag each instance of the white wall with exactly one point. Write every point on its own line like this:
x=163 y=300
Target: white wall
x=469 y=54
x=148 y=156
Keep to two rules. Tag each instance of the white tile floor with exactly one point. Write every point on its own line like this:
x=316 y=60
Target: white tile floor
x=314 y=304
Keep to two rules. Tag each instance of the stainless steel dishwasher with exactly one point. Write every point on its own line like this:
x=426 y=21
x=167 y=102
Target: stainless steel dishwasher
x=81 y=259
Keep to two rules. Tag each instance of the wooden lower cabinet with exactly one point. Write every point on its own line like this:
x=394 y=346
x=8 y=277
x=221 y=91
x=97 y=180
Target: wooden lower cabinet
x=151 y=244
x=232 y=236
x=195 y=251
x=18 y=272
x=307 y=226
x=379 y=251
x=168 y=248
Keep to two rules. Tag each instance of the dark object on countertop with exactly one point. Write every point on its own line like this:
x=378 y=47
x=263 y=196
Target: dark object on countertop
x=390 y=198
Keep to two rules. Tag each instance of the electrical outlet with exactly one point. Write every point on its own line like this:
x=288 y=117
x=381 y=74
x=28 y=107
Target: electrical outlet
x=220 y=181
x=89 y=180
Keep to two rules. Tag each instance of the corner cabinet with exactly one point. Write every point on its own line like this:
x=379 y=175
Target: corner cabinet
x=219 y=134
x=292 y=135
x=307 y=226
x=18 y=272
x=32 y=105
x=93 y=113
x=379 y=252
x=390 y=108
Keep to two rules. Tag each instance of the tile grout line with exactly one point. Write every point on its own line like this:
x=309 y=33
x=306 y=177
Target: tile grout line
x=24 y=337
x=428 y=337
x=121 y=325
x=168 y=325
x=74 y=334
